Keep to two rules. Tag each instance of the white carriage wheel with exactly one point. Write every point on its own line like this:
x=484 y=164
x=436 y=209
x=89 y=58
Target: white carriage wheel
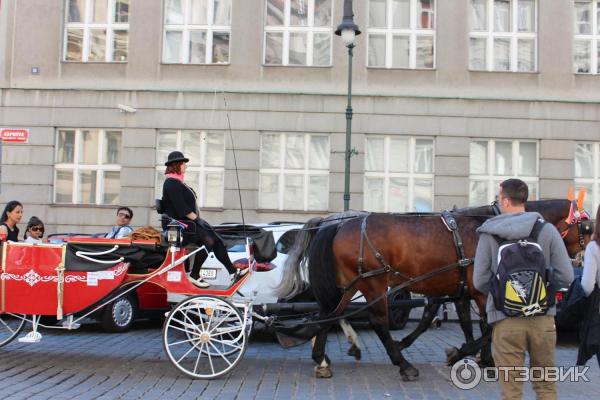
x=204 y=336
x=10 y=327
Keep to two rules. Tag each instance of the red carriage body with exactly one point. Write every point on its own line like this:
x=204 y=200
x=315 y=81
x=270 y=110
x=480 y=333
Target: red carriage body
x=36 y=281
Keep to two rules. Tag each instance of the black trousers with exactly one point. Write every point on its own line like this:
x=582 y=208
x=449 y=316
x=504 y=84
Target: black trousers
x=199 y=232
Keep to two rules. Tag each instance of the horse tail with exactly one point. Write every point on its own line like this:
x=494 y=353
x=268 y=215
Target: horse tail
x=321 y=269
x=295 y=276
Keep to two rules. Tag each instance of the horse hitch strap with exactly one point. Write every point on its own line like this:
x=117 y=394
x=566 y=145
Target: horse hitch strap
x=385 y=266
x=463 y=262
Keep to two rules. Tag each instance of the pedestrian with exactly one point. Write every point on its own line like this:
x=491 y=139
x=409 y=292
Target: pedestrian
x=34 y=232
x=122 y=228
x=11 y=216
x=179 y=203
x=590 y=277
x=518 y=281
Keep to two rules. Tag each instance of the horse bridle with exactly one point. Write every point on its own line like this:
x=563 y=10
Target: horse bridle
x=585 y=226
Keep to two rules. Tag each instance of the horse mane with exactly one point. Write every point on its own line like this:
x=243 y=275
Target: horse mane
x=295 y=273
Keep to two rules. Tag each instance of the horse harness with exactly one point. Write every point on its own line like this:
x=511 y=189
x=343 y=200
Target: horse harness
x=462 y=263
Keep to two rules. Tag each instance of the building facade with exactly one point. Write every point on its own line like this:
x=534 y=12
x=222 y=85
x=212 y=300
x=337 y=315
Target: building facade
x=450 y=97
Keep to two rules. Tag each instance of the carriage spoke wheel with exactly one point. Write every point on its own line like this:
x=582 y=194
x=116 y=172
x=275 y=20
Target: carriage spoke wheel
x=10 y=327
x=204 y=337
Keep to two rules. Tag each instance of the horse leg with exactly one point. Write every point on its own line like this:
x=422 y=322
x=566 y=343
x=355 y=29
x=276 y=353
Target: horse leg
x=485 y=358
x=322 y=369
x=429 y=312
x=463 y=309
x=380 y=322
x=355 y=348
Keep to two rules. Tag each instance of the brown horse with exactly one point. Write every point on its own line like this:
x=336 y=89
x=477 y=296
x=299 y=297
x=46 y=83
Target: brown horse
x=413 y=245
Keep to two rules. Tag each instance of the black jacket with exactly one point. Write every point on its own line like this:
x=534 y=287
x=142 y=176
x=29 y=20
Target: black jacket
x=583 y=311
x=178 y=200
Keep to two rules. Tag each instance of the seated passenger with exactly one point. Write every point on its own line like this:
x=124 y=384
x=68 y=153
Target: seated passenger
x=122 y=228
x=34 y=231
x=11 y=216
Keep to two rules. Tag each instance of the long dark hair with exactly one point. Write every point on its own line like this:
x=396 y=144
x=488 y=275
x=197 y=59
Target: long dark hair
x=10 y=206
x=597 y=228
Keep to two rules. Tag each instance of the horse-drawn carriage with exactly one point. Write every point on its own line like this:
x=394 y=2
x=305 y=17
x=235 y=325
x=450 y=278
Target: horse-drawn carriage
x=204 y=335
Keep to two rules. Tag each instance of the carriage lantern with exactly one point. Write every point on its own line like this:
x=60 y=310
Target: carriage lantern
x=174 y=234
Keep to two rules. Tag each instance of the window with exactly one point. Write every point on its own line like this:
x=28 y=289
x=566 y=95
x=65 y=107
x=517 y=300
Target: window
x=298 y=32
x=587 y=37
x=197 y=31
x=87 y=166
x=587 y=174
x=503 y=35
x=398 y=174
x=401 y=34
x=493 y=161
x=206 y=168
x=96 y=30
x=294 y=172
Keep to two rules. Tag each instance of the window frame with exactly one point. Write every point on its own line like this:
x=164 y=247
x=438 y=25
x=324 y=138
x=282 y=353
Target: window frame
x=593 y=39
x=202 y=169
x=186 y=28
x=491 y=179
x=513 y=35
x=76 y=166
x=594 y=181
x=110 y=26
x=286 y=29
x=305 y=171
x=411 y=175
x=389 y=32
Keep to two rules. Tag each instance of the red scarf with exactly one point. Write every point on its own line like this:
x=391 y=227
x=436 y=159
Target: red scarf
x=179 y=177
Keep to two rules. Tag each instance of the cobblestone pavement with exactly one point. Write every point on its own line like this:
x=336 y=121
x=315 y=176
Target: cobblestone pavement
x=90 y=364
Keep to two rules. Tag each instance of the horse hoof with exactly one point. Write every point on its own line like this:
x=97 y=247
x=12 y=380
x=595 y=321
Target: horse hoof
x=355 y=352
x=452 y=355
x=323 y=372
x=409 y=374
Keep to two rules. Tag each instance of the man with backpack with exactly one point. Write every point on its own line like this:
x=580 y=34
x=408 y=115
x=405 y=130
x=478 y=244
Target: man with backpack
x=519 y=260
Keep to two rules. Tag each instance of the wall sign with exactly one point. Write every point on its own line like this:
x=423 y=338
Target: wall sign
x=14 y=135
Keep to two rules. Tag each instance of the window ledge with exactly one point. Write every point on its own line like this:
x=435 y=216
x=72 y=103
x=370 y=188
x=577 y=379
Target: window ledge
x=504 y=72
x=302 y=212
x=296 y=66
x=198 y=64
x=400 y=69
x=211 y=209
x=93 y=62
x=70 y=205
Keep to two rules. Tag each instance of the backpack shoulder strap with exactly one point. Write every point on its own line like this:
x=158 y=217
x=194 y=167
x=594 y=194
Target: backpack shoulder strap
x=537 y=228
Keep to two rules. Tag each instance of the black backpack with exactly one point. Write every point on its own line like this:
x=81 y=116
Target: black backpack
x=520 y=287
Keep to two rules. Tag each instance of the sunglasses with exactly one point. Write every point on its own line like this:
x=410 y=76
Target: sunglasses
x=37 y=229
x=124 y=215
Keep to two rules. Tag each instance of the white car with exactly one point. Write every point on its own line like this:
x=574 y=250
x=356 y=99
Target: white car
x=260 y=285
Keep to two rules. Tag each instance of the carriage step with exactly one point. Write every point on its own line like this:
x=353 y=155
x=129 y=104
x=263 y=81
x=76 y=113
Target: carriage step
x=31 y=337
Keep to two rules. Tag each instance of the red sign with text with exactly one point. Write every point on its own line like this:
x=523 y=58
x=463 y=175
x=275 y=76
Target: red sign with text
x=9 y=135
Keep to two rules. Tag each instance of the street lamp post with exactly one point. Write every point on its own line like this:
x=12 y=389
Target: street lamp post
x=348 y=30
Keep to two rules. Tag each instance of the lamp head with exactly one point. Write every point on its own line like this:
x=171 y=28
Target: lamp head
x=174 y=235
x=348 y=30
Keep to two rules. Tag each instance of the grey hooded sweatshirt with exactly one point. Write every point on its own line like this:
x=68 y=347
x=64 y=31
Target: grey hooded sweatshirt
x=511 y=227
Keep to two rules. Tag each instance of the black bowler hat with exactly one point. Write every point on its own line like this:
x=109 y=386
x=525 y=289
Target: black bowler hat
x=175 y=156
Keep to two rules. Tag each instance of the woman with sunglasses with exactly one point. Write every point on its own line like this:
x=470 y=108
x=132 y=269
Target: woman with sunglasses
x=11 y=216
x=122 y=228
x=34 y=231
